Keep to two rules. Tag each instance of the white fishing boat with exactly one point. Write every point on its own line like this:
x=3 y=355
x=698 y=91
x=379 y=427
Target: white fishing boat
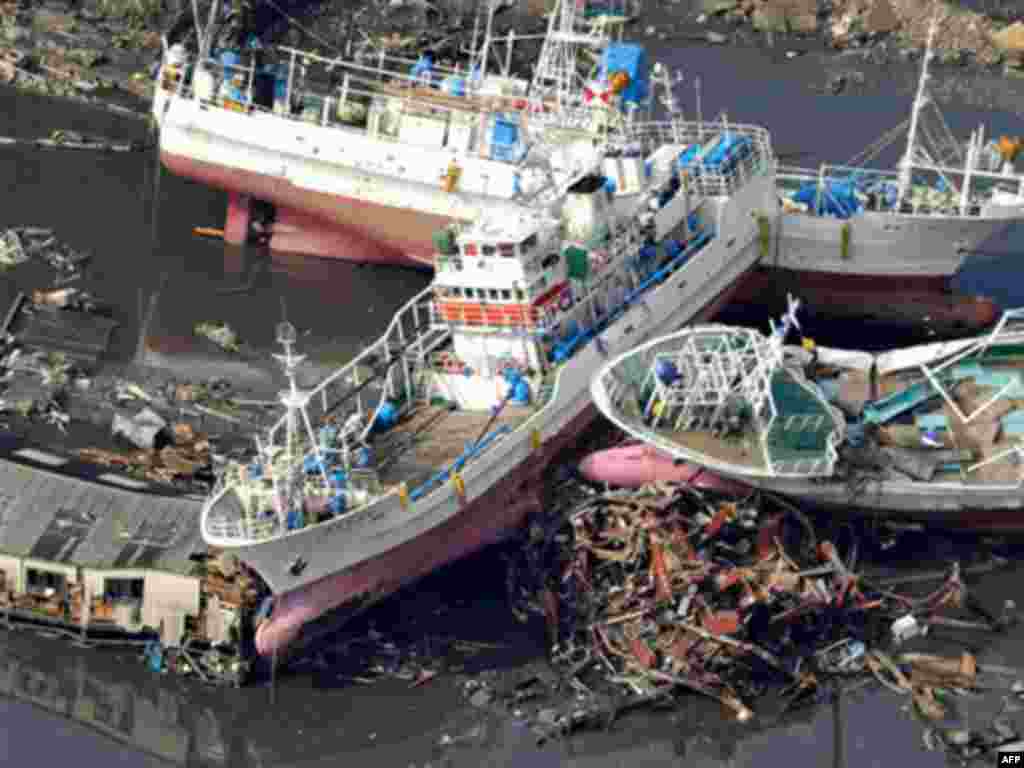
x=930 y=434
x=365 y=156
x=442 y=427
x=850 y=229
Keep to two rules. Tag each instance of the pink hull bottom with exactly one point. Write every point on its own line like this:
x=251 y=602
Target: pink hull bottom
x=485 y=521
x=317 y=223
x=632 y=466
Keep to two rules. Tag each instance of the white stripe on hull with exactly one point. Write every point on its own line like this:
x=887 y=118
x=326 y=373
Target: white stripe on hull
x=373 y=530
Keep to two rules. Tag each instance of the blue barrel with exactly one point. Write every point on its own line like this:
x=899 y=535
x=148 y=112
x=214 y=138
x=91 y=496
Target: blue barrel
x=454 y=85
x=229 y=60
x=666 y=371
x=255 y=471
x=364 y=457
x=520 y=392
x=338 y=478
x=387 y=417
x=337 y=504
x=295 y=519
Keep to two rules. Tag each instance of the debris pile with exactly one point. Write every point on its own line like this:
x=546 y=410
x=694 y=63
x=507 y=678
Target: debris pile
x=652 y=593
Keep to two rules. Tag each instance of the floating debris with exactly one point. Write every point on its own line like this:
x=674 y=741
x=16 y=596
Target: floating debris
x=220 y=334
x=650 y=592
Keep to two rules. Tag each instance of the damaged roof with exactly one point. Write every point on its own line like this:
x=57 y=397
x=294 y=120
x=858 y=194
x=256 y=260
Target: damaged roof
x=50 y=516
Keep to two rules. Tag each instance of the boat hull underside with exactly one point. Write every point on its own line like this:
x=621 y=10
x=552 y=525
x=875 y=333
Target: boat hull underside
x=320 y=224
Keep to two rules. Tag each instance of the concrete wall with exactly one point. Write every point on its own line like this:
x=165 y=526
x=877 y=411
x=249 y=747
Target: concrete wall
x=11 y=567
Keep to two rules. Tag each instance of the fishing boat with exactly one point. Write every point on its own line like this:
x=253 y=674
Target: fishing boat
x=431 y=443
x=927 y=434
x=363 y=157
x=851 y=229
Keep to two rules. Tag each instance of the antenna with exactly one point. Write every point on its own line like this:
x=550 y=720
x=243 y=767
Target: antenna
x=920 y=99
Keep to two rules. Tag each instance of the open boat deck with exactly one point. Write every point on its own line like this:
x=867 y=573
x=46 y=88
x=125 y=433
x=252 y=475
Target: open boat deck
x=431 y=438
x=744 y=449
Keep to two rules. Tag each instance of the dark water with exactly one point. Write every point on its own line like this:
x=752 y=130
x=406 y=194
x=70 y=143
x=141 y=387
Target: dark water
x=97 y=708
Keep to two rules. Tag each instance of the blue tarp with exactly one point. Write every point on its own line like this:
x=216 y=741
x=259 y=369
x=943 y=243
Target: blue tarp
x=630 y=58
x=724 y=153
x=727 y=151
x=838 y=198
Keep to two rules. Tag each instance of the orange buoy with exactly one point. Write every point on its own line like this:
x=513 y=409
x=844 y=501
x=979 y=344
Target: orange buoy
x=208 y=232
x=1009 y=148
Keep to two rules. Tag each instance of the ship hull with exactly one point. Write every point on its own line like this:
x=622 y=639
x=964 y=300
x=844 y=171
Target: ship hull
x=998 y=509
x=894 y=251
x=354 y=560
x=487 y=520
x=340 y=193
x=921 y=306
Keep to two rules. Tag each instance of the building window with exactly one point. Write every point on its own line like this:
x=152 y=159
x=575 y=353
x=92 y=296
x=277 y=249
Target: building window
x=123 y=589
x=38 y=582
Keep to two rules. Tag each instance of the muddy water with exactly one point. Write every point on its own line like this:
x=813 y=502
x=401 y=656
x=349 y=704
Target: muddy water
x=65 y=704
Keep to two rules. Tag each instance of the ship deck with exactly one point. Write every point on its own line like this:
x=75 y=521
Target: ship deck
x=430 y=438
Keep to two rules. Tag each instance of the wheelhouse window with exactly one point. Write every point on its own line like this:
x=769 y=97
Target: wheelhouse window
x=506 y=295
x=493 y=293
x=488 y=250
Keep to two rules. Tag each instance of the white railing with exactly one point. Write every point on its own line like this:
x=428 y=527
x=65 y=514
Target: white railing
x=401 y=350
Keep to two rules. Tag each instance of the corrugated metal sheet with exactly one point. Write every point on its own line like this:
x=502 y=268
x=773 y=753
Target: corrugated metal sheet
x=55 y=517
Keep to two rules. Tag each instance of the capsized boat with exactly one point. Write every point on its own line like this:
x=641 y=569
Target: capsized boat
x=364 y=156
x=430 y=444
x=854 y=229
x=930 y=433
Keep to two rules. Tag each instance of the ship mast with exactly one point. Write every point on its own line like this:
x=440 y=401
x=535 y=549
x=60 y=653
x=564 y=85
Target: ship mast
x=294 y=401
x=556 y=72
x=920 y=100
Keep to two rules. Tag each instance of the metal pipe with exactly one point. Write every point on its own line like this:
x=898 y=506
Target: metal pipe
x=291 y=79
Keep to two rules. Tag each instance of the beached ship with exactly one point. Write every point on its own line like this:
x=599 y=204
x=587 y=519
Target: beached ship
x=929 y=433
x=850 y=231
x=431 y=443
x=365 y=157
